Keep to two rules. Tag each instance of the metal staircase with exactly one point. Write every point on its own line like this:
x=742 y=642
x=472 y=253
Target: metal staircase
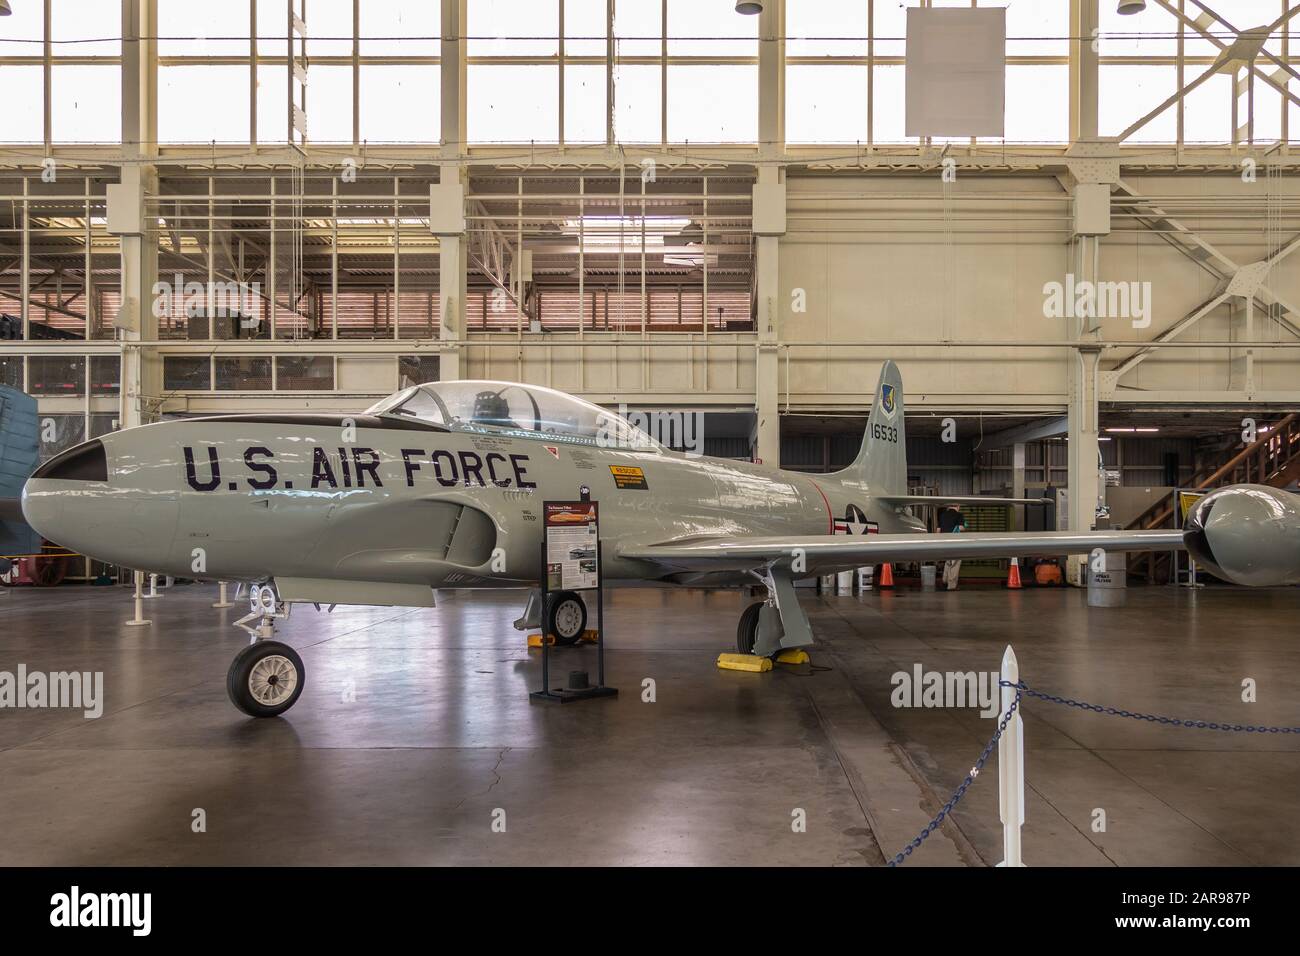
x=1272 y=459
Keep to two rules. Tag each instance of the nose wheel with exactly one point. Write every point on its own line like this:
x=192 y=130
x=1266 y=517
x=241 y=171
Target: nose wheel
x=265 y=679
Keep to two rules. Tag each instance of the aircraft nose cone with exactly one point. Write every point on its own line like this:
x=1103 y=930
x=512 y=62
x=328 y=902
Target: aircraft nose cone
x=52 y=497
x=42 y=510
x=73 y=501
x=1249 y=535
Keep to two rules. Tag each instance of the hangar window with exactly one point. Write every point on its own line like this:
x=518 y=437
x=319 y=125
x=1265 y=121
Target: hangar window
x=56 y=375
x=669 y=74
x=24 y=103
x=11 y=370
x=81 y=28
x=310 y=373
x=105 y=375
x=198 y=104
x=243 y=374
x=86 y=103
x=184 y=373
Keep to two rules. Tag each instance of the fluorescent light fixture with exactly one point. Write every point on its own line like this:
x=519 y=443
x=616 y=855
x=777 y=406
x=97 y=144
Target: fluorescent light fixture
x=693 y=259
x=623 y=233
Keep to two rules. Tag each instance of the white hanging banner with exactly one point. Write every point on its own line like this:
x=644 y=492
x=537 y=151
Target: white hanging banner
x=956 y=71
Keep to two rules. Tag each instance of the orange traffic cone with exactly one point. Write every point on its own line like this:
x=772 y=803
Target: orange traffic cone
x=886 y=576
x=1013 y=575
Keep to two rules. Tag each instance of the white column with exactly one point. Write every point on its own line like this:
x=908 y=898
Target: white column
x=767 y=427
x=1084 y=480
x=1083 y=69
x=1018 y=483
x=452 y=260
x=771 y=135
x=141 y=369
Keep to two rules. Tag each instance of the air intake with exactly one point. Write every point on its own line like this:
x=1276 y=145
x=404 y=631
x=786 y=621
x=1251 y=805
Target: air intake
x=85 y=462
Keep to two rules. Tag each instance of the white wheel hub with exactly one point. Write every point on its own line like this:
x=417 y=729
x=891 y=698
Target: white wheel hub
x=272 y=680
x=568 y=618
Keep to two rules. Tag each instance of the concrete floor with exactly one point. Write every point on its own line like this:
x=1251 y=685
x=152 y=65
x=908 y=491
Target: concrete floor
x=441 y=735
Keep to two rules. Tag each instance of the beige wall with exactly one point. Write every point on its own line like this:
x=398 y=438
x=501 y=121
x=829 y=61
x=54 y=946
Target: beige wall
x=889 y=258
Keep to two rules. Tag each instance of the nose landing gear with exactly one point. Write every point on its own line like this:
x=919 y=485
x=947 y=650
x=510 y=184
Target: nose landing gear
x=266 y=678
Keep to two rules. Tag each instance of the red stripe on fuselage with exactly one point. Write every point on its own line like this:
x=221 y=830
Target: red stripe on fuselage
x=830 y=518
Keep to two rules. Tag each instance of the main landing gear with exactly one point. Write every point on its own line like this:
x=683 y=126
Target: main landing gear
x=777 y=624
x=266 y=678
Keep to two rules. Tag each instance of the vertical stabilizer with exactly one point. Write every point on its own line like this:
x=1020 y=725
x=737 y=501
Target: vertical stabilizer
x=882 y=461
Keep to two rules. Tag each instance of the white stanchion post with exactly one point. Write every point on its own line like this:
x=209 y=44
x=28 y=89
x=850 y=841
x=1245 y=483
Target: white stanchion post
x=1011 y=767
x=139 y=618
x=223 y=600
x=844 y=582
x=153 y=586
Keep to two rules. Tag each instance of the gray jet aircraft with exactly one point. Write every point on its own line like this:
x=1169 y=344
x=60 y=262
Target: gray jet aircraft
x=441 y=486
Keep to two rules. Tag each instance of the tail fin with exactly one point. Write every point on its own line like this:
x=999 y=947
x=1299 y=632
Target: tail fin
x=882 y=461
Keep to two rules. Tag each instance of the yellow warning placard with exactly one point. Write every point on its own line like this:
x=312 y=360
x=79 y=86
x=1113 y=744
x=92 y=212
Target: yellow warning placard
x=628 y=477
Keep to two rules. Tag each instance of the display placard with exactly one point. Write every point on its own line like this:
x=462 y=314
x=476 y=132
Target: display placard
x=572 y=531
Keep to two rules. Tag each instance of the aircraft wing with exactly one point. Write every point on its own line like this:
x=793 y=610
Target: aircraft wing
x=899 y=501
x=822 y=554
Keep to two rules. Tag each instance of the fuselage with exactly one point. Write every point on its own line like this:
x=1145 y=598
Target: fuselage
x=379 y=499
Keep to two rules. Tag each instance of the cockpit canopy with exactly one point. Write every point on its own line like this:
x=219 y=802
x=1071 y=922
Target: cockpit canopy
x=520 y=411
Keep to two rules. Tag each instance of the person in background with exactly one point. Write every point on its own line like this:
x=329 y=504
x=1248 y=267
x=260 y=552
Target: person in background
x=951 y=520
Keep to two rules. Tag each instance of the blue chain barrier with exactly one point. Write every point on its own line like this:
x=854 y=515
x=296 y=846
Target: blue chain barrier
x=965 y=784
x=1023 y=689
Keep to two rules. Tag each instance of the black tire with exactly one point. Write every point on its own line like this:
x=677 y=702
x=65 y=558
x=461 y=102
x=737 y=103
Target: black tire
x=253 y=689
x=747 y=630
x=565 y=621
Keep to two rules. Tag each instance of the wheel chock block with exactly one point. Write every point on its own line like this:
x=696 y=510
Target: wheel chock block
x=793 y=656
x=588 y=637
x=744 y=662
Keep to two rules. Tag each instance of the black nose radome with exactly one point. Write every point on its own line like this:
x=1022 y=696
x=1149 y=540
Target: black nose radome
x=85 y=462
